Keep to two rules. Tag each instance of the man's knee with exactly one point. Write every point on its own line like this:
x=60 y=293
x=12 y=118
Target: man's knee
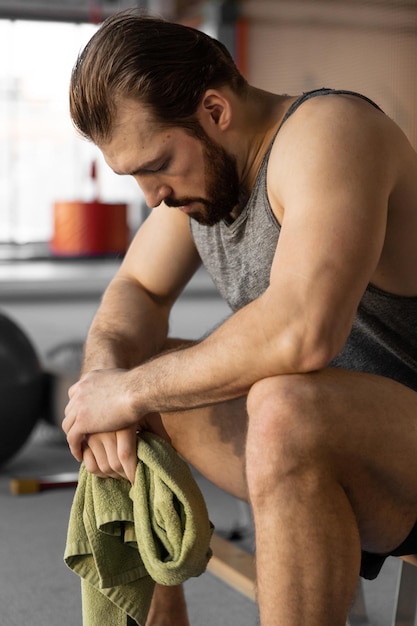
x=285 y=434
x=283 y=405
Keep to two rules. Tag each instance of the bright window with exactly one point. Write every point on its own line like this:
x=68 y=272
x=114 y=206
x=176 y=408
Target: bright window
x=42 y=159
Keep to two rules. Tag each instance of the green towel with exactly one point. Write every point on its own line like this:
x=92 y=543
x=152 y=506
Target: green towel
x=123 y=538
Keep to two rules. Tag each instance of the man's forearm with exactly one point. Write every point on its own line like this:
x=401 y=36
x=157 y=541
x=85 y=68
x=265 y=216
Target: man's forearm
x=248 y=347
x=128 y=329
x=221 y=367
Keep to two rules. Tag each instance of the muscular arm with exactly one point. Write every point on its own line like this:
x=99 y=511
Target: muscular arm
x=132 y=322
x=130 y=326
x=330 y=193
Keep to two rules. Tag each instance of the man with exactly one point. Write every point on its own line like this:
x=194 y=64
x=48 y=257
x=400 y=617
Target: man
x=304 y=401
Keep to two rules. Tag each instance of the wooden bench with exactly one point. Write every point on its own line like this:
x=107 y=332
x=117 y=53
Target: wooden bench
x=236 y=568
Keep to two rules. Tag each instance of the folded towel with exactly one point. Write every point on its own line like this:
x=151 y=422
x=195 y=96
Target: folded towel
x=123 y=538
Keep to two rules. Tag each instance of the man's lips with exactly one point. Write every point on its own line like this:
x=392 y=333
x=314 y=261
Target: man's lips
x=187 y=208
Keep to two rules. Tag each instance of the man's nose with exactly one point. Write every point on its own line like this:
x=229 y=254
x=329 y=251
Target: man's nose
x=155 y=193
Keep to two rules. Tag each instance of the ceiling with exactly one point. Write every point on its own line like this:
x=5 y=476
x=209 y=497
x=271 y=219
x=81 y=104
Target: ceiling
x=90 y=10
x=62 y=10
x=96 y=10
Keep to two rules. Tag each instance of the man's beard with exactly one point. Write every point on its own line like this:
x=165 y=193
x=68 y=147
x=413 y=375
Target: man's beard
x=222 y=185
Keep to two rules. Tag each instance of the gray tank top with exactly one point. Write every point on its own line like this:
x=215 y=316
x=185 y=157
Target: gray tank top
x=239 y=256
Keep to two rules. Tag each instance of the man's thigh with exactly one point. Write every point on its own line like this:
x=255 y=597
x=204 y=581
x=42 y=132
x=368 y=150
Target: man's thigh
x=212 y=439
x=368 y=427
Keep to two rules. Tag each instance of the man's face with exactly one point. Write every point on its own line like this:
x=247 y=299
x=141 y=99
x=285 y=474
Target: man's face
x=221 y=186
x=183 y=169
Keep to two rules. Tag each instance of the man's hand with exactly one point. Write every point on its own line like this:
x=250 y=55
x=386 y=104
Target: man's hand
x=99 y=402
x=112 y=455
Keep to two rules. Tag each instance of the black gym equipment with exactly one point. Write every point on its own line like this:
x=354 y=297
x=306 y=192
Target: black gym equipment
x=21 y=388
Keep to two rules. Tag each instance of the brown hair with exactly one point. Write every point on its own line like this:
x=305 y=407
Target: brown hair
x=164 y=65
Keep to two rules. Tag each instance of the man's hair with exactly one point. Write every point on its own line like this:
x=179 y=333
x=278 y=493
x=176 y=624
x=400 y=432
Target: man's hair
x=165 y=66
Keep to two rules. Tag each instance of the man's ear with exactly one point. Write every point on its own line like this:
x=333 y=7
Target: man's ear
x=215 y=110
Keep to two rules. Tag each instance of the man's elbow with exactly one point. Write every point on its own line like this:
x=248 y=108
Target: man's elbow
x=311 y=351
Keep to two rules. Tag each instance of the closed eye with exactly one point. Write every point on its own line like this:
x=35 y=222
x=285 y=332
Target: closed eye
x=153 y=169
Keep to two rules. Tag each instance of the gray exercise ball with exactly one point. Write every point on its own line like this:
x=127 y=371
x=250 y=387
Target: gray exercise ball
x=21 y=388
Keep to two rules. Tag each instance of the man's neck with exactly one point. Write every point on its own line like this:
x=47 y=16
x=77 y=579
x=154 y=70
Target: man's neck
x=257 y=120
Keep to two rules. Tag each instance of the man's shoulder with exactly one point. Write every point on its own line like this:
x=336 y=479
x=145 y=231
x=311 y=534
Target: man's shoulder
x=329 y=123
x=334 y=108
x=338 y=137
